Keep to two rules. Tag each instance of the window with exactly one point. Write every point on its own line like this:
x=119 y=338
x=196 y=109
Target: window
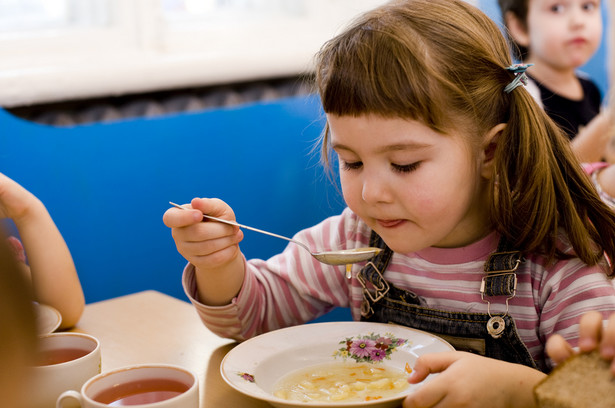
x=54 y=50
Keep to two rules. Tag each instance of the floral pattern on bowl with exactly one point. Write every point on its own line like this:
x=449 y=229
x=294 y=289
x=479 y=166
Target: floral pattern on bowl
x=246 y=376
x=370 y=348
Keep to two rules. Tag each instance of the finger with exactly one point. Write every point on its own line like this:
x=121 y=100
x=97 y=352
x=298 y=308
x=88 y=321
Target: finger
x=607 y=344
x=177 y=218
x=214 y=207
x=590 y=328
x=432 y=363
x=558 y=348
x=429 y=395
x=204 y=238
x=215 y=259
x=433 y=392
x=197 y=245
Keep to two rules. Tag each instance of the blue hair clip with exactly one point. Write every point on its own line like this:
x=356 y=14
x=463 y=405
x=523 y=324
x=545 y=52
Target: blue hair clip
x=520 y=77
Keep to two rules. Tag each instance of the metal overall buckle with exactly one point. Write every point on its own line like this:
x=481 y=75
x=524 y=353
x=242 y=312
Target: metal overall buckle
x=380 y=289
x=500 y=282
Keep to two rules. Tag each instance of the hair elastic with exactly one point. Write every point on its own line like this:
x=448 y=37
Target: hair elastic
x=520 y=77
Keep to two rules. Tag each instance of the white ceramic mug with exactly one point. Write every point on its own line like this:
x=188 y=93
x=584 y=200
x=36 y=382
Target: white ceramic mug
x=144 y=385
x=65 y=361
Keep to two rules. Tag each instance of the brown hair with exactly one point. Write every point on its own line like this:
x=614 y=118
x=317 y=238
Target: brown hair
x=443 y=62
x=518 y=8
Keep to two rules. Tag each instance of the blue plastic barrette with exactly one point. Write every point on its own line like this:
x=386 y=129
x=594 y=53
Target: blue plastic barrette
x=520 y=76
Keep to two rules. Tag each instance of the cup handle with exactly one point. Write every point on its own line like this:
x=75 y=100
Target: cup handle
x=69 y=394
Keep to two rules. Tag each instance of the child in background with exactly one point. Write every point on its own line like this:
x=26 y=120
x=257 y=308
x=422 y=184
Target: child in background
x=558 y=37
x=493 y=237
x=49 y=262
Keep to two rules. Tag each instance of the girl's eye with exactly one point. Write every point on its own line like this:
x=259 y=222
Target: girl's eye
x=557 y=8
x=589 y=6
x=405 y=168
x=351 y=165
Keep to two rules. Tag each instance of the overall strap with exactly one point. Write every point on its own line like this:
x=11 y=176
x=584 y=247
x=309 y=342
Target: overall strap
x=375 y=287
x=500 y=278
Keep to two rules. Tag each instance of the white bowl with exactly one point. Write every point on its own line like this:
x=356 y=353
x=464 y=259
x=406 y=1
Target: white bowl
x=254 y=366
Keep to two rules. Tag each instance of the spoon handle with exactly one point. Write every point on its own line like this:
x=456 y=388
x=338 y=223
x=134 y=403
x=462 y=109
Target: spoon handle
x=236 y=224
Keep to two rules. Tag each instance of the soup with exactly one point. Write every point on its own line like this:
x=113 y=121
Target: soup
x=341 y=382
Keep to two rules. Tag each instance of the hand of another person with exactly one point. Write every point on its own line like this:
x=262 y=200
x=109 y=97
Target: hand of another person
x=591 y=143
x=592 y=335
x=15 y=201
x=470 y=380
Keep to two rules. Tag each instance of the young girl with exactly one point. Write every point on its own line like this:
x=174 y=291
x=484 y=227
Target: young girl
x=49 y=263
x=493 y=236
x=558 y=38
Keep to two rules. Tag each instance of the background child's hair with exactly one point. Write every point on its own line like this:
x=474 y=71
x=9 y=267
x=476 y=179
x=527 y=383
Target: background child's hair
x=519 y=9
x=443 y=63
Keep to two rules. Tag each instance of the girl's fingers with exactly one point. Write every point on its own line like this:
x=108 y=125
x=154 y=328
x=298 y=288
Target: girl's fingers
x=432 y=363
x=558 y=349
x=590 y=328
x=607 y=344
x=178 y=218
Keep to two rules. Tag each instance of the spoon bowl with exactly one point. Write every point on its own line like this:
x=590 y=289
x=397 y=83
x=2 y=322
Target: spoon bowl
x=339 y=257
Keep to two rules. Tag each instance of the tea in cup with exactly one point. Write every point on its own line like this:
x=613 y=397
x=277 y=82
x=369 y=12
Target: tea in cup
x=155 y=385
x=64 y=361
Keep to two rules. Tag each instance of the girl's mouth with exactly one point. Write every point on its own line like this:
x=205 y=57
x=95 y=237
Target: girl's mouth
x=390 y=223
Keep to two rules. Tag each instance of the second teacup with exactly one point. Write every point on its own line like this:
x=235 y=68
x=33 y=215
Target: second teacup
x=146 y=385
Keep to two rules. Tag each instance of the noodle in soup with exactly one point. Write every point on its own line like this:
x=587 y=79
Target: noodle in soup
x=341 y=382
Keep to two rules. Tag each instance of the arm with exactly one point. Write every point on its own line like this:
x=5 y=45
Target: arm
x=590 y=143
x=292 y=278
x=212 y=247
x=54 y=278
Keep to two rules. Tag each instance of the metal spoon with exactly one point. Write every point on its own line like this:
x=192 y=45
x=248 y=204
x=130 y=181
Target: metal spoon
x=339 y=257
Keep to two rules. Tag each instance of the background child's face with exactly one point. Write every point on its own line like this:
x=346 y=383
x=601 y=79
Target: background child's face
x=563 y=34
x=415 y=187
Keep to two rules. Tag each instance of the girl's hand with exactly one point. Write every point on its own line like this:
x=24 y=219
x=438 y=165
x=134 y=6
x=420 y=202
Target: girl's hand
x=206 y=245
x=592 y=335
x=469 y=380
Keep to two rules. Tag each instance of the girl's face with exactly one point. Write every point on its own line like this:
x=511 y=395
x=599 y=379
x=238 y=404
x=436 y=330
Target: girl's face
x=563 y=34
x=412 y=185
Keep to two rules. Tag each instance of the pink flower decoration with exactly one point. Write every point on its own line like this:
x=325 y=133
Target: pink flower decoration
x=362 y=347
x=378 y=354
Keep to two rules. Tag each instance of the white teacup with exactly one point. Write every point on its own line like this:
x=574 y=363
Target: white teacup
x=145 y=385
x=65 y=361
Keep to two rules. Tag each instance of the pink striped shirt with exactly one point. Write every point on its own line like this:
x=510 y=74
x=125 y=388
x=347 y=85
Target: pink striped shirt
x=292 y=288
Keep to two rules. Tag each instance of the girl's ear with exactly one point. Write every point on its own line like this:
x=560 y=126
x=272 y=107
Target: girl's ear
x=517 y=29
x=490 y=142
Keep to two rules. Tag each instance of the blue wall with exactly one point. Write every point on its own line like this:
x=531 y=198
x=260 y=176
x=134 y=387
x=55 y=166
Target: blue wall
x=108 y=185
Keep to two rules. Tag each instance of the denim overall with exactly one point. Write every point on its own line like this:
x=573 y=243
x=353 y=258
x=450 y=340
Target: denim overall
x=485 y=334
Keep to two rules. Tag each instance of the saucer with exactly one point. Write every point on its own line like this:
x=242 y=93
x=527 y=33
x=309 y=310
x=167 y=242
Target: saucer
x=48 y=319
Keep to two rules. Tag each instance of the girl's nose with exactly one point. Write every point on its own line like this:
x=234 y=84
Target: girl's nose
x=375 y=191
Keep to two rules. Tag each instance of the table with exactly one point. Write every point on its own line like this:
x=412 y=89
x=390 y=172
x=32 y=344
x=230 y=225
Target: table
x=151 y=327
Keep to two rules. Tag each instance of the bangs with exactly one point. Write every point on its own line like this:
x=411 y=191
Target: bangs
x=370 y=70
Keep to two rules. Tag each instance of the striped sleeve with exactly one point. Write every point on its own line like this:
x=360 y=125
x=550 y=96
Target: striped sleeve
x=566 y=292
x=288 y=289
